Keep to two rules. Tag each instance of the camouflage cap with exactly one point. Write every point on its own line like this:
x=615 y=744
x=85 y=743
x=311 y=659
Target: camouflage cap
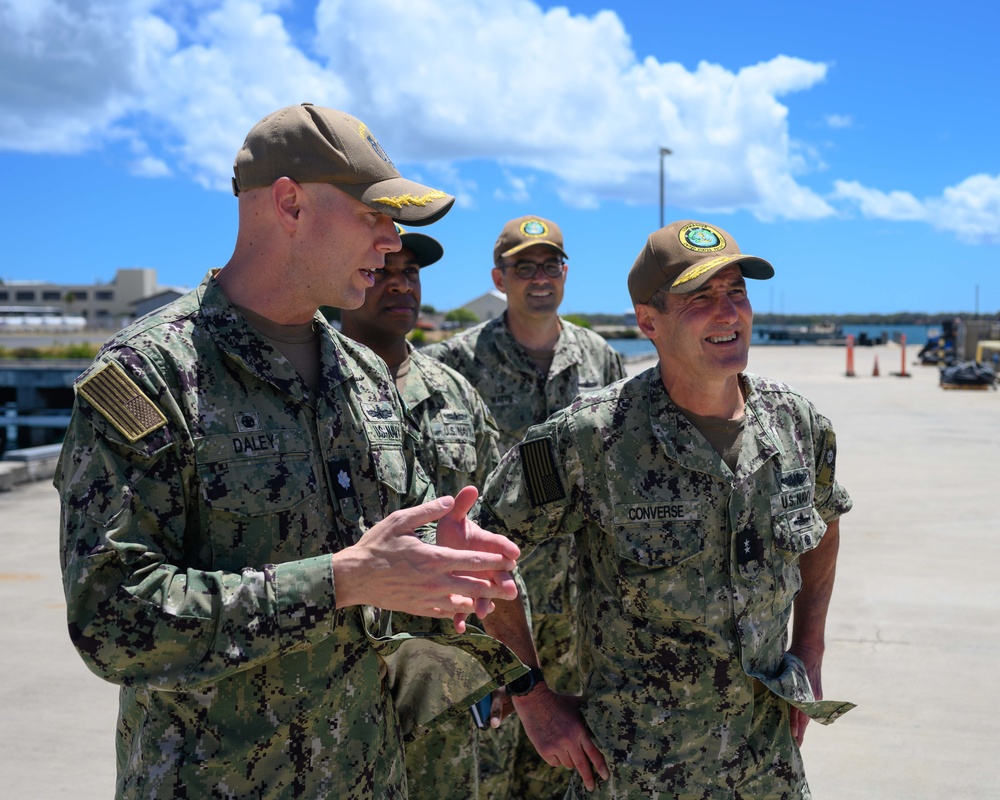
x=426 y=248
x=312 y=144
x=524 y=232
x=682 y=256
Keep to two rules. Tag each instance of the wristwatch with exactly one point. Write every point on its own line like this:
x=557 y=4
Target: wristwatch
x=528 y=681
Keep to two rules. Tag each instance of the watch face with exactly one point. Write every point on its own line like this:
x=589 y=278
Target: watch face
x=520 y=685
x=526 y=682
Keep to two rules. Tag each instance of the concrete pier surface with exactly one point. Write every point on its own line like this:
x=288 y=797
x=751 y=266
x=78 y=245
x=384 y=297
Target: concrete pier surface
x=913 y=636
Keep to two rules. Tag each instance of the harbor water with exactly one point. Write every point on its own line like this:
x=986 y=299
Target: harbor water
x=915 y=335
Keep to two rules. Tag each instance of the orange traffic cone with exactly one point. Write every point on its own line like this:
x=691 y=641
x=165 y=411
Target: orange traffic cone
x=850 y=356
x=875 y=368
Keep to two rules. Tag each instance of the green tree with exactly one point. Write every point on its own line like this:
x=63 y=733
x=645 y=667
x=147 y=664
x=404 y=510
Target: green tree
x=577 y=319
x=461 y=315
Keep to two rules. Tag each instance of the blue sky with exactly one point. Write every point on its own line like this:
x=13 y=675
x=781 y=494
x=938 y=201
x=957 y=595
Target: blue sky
x=852 y=144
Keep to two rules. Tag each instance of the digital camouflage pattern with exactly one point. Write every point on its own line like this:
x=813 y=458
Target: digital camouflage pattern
x=458 y=439
x=457 y=447
x=687 y=577
x=519 y=397
x=510 y=384
x=203 y=489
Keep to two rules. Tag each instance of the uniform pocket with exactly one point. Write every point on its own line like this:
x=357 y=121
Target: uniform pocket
x=456 y=457
x=390 y=468
x=661 y=570
x=798 y=531
x=260 y=510
x=249 y=488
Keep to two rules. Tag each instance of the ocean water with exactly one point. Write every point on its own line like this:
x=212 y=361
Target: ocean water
x=916 y=335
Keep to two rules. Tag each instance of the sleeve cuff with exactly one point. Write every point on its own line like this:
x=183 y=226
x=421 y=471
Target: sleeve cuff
x=306 y=600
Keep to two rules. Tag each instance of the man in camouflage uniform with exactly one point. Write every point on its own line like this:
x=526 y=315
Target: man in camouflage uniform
x=706 y=507
x=232 y=485
x=527 y=364
x=457 y=448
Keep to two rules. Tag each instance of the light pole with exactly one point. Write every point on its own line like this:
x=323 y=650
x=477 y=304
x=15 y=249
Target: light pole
x=663 y=152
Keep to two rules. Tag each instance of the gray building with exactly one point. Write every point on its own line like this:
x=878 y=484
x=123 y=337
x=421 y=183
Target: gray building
x=103 y=305
x=487 y=306
x=167 y=294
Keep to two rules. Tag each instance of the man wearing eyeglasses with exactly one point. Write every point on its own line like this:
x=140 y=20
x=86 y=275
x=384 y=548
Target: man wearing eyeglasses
x=528 y=364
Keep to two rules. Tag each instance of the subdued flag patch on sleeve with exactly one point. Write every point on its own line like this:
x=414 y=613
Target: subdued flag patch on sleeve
x=113 y=393
x=827 y=460
x=540 y=476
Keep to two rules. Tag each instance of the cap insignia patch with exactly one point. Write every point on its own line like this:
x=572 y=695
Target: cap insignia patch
x=701 y=238
x=116 y=396
x=370 y=138
x=534 y=227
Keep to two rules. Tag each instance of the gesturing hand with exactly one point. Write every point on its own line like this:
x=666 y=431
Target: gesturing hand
x=455 y=530
x=390 y=567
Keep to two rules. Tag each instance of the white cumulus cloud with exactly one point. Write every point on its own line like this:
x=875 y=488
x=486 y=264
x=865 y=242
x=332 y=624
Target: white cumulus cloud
x=839 y=120
x=551 y=94
x=970 y=210
x=69 y=72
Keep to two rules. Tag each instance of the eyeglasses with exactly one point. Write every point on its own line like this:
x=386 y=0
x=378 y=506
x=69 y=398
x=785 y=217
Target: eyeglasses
x=526 y=270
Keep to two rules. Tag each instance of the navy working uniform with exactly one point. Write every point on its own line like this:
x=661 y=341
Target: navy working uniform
x=687 y=576
x=520 y=395
x=203 y=487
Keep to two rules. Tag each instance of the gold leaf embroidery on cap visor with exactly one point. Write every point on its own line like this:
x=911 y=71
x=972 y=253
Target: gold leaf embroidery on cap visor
x=702 y=268
x=112 y=392
x=410 y=199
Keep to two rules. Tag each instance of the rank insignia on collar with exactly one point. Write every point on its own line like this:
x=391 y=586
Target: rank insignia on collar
x=340 y=474
x=749 y=547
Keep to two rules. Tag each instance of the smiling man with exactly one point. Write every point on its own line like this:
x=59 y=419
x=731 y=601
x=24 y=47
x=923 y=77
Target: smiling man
x=704 y=506
x=527 y=364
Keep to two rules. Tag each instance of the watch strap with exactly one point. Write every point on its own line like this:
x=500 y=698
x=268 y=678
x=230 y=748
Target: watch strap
x=523 y=685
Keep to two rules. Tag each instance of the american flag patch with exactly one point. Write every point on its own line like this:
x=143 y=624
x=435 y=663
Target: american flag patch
x=827 y=460
x=540 y=476
x=112 y=392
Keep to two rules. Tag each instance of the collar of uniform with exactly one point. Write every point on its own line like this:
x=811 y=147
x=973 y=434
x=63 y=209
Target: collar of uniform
x=422 y=382
x=764 y=442
x=235 y=336
x=567 y=354
x=680 y=440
